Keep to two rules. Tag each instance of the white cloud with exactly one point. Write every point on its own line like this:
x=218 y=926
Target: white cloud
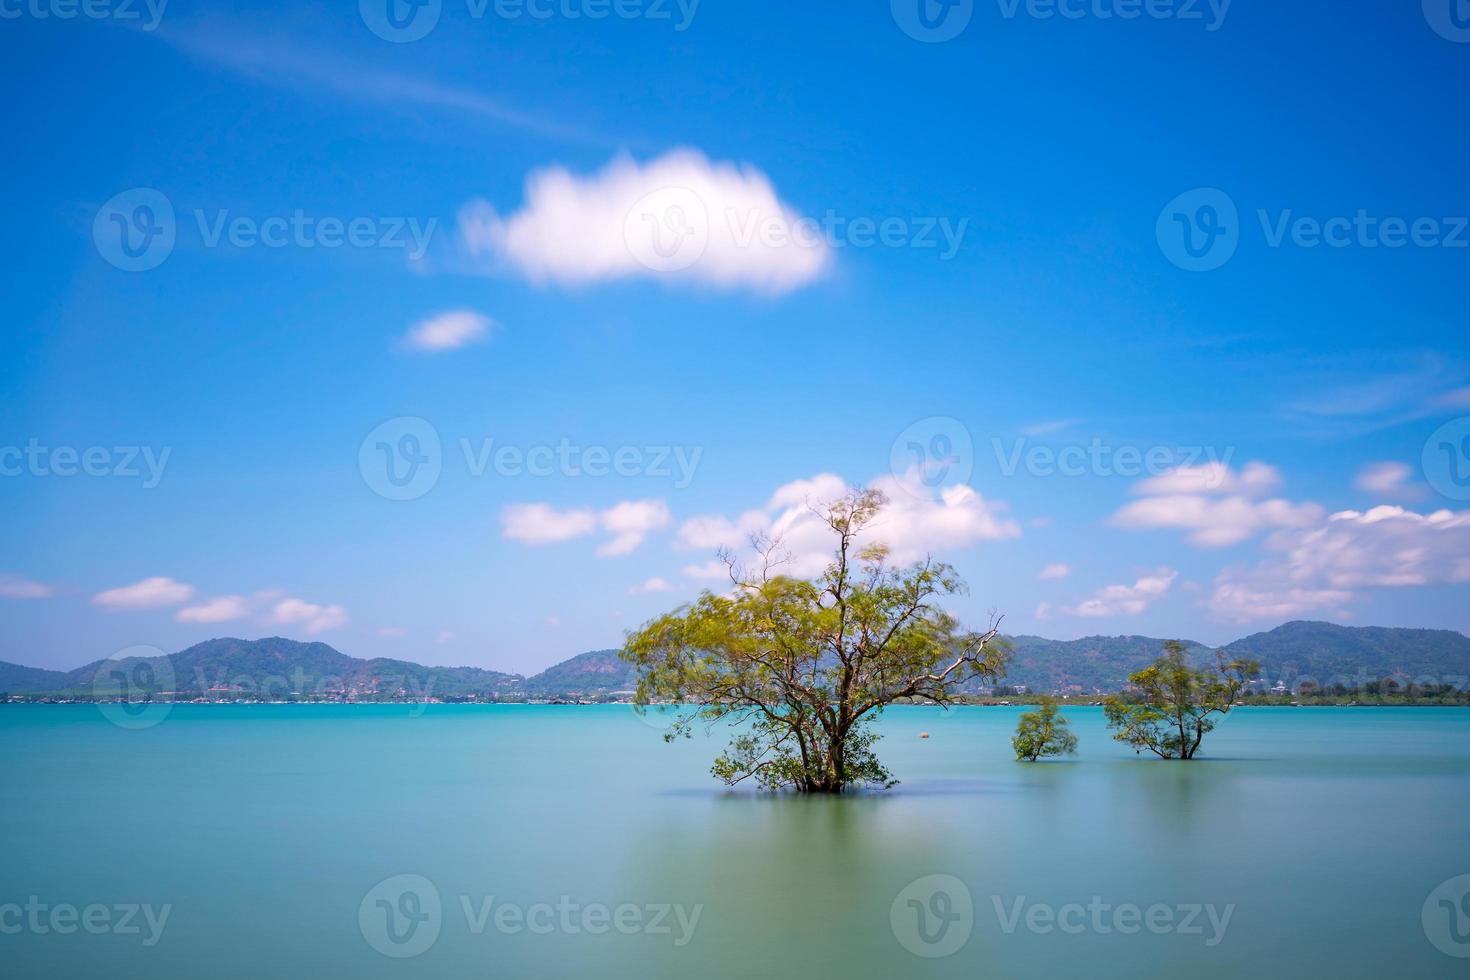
x=1390 y=480
x=629 y=522
x=1216 y=505
x=708 y=570
x=1048 y=427
x=220 y=609
x=393 y=632
x=150 y=593
x=679 y=216
x=538 y=524
x=654 y=584
x=914 y=524
x=1458 y=398
x=1055 y=571
x=1244 y=603
x=1256 y=478
x=447 y=331
x=1325 y=566
x=18 y=587
x=1129 y=600
x=312 y=618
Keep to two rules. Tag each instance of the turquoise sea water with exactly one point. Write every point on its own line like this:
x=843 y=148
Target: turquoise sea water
x=571 y=841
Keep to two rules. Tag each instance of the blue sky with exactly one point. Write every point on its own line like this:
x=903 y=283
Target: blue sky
x=1025 y=304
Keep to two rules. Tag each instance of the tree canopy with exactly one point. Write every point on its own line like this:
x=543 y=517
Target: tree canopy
x=1043 y=732
x=801 y=667
x=1175 y=704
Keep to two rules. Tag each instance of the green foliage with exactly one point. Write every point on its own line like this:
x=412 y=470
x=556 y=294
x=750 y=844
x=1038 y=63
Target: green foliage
x=1043 y=733
x=1174 y=704
x=801 y=668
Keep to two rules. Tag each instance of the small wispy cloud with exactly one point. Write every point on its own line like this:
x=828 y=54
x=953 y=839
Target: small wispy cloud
x=448 y=331
x=284 y=62
x=149 y=593
x=220 y=609
x=18 y=587
x=1049 y=427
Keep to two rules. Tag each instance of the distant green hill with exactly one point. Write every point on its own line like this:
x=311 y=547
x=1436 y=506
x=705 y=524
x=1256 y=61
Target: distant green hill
x=589 y=674
x=1327 y=653
x=276 y=666
x=1093 y=663
x=270 y=666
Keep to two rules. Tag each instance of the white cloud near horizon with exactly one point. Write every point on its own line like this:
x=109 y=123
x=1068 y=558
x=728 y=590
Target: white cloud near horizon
x=448 y=331
x=1127 y=600
x=1389 y=480
x=20 y=587
x=149 y=593
x=310 y=616
x=678 y=217
x=1216 y=505
x=1327 y=566
x=220 y=609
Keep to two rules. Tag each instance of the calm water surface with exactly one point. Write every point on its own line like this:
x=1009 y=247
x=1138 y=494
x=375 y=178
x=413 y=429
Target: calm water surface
x=267 y=831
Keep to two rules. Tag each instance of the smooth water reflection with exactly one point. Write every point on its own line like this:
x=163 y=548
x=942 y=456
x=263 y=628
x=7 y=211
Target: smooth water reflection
x=266 y=829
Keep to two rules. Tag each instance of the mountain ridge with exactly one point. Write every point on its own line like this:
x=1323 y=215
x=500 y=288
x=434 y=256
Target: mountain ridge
x=277 y=666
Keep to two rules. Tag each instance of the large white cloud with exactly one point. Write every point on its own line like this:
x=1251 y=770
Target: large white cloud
x=679 y=216
x=1215 y=504
x=1324 y=567
x=629 y=522
x=915 y=523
